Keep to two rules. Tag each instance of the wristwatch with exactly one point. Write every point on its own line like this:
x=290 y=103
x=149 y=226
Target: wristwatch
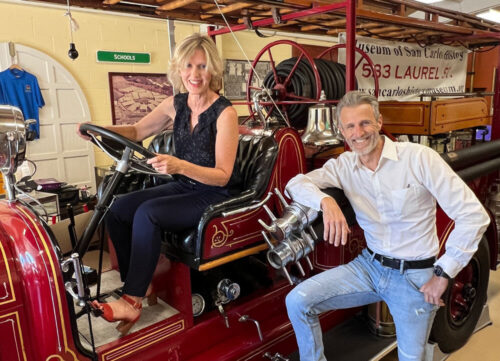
x=438 y=271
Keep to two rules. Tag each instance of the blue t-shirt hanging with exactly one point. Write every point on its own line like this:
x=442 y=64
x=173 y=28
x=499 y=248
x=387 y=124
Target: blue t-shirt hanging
x=20 y=88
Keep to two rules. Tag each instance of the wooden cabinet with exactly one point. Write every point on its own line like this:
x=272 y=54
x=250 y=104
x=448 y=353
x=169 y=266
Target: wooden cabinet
x=434 y=117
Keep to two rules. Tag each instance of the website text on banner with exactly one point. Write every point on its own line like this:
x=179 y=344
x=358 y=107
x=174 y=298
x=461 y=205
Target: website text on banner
x=407 y=70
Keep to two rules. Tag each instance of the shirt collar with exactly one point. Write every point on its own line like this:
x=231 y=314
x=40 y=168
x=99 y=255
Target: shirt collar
x=389 y=151
x=16 y=73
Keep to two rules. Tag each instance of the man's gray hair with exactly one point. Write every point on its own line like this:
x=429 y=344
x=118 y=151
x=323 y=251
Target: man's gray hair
x=355 y=98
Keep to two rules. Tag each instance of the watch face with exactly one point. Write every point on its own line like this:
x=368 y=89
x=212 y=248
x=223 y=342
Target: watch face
x=438 y=271
x=198 y=303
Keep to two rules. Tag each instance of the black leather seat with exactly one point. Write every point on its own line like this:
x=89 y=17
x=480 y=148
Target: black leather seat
x=254 y=164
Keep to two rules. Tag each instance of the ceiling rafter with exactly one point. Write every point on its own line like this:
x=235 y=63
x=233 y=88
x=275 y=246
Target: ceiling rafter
x=376 y=18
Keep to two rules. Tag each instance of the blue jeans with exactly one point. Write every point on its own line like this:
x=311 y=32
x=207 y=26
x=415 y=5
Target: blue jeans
x=360 y=282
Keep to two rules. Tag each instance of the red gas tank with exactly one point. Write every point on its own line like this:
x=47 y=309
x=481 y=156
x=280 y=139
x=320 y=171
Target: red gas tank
x=33 y=309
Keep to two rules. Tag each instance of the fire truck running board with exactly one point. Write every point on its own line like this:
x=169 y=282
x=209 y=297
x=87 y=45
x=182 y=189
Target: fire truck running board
x=352 y=341
x=432 y=351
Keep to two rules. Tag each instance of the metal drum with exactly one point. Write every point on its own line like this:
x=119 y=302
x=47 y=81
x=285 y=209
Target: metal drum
x=380 y=320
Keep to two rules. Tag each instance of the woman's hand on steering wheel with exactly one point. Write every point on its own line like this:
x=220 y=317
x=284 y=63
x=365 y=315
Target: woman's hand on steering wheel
x=121 y=149
x=165 y=164
x=83 y=135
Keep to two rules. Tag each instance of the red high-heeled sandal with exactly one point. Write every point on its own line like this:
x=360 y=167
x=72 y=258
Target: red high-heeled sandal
x=126 y=324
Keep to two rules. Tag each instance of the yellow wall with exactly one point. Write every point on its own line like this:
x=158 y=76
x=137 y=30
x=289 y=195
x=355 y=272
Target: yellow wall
x=47 y=30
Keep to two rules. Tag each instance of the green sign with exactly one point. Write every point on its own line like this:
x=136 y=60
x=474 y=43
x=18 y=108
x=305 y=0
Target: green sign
x=121 y=57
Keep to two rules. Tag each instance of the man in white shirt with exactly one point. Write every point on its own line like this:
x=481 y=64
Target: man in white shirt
x=393 y=189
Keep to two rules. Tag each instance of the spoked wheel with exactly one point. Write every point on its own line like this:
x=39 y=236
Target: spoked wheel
x=464 y=301
x=294 y=84
x=364 y=57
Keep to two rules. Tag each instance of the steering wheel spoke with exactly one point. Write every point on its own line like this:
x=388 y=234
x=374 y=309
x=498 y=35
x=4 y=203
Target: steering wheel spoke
x=121 y=149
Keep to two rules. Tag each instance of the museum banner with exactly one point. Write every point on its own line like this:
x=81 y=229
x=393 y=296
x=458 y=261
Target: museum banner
x=407 y=70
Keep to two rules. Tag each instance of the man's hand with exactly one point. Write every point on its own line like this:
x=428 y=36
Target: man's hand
x=336 y=228
x=434 y=289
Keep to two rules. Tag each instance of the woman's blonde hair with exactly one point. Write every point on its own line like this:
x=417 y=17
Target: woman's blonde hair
x=185 y=50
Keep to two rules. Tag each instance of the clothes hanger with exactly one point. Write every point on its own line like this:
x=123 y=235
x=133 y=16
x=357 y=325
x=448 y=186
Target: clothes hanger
x=12 y=52
x=16 y=66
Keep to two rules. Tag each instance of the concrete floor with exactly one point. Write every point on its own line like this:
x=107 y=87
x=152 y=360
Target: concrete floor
x=484 y=345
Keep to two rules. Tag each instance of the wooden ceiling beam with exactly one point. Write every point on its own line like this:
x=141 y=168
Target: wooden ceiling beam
x=172 y=5
x=205 y=7
x=410 y=22
x=368 y=26
x=252 y=19
x=386 y=29
x=210 y=6
x=176 y=14
x=229 y=8
x=334 y=31
x=288 y=23
x=403 y=33
x=401 y=10
x=310 y=27
x=324 y=24
x=388 y=18
x=430 y=11
x=334 y=22
x=429 y=33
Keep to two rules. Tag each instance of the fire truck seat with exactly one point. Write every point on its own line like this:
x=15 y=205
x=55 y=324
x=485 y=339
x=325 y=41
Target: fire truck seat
x=255 y=160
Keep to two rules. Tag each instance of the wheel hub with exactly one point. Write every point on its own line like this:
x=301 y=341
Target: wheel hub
x=469 y=292
x=279 y=92
x=463 y=295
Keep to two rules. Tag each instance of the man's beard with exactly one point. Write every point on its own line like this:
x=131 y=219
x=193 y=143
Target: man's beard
x=373 y=141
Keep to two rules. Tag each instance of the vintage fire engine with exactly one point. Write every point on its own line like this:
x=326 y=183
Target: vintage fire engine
x=222 y=285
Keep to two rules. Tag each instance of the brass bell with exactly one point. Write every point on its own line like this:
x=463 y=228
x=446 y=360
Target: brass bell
x=322 y=129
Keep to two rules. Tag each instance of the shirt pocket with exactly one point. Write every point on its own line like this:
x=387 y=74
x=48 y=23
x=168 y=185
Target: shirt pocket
x=408 y=200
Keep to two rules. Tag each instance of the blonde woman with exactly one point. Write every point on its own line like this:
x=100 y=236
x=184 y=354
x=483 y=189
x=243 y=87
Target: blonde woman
x=206 y=139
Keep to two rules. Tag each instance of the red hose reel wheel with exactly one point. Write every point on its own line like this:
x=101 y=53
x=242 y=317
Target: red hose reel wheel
x=364 y=56
x=295 y=83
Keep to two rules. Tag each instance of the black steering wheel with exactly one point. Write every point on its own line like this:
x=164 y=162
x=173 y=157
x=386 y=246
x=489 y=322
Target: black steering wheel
x=129 y=155
x=121 y=149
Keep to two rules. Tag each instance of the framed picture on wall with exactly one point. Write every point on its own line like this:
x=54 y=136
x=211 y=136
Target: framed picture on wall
x=133 y=95
x=236 y=76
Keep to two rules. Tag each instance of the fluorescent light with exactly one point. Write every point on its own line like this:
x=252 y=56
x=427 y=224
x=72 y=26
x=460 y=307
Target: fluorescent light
x=429 y=1
x=492 y=15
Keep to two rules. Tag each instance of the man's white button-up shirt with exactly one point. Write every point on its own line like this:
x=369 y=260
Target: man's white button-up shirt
x=395 y=205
